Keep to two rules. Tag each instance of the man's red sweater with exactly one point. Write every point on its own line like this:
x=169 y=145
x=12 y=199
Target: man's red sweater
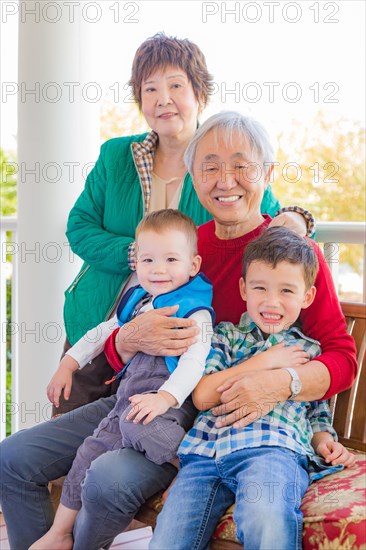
x=323 y=320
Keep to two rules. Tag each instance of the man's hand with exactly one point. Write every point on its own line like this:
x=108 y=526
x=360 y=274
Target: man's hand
x=246 y=398
x=291 y=220
x=335 y=453
x=62 y=380
x=150 y=405
x=281 y=356
x=152 y=333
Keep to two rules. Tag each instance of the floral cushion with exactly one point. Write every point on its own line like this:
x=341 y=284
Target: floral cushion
x=335 y=510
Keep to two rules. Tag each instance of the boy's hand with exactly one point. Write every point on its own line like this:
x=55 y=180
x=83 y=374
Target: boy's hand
x=62 y=380
x=335 y=453
x=150 y=405
x=282 y=356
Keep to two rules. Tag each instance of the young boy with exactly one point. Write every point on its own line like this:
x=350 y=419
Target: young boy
x=153 y=390
x=263 y=466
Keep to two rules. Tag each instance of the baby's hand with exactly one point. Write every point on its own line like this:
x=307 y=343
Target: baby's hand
x=62 y=380
x=150 y=405
x=281 y=356
x=335 y=453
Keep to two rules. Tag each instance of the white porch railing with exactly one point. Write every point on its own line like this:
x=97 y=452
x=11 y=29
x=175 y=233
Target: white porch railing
x=331 y=234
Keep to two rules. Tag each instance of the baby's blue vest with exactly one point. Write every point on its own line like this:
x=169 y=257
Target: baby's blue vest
x=191 y=297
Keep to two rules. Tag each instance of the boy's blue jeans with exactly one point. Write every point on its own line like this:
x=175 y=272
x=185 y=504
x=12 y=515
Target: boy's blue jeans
x=267 y=484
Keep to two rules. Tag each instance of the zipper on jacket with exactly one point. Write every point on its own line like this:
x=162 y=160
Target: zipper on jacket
x=117 y=298
x=182 y=188
x=118 y=295
x=138 y=175
x=81 y=274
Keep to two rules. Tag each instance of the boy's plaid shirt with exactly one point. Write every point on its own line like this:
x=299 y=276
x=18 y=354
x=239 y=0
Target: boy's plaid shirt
x=290 y=424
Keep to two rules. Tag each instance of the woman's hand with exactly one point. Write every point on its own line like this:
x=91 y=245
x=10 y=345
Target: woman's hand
x=291 y=220
x=62 y=380
x=152 y=333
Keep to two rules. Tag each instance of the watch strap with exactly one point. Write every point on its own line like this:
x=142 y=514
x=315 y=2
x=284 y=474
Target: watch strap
x=295 y=378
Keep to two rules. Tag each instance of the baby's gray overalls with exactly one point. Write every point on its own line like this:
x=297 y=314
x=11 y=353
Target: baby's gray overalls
x=159 y=439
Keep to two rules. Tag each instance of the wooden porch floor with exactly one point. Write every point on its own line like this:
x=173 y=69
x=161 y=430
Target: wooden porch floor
x=137 y=539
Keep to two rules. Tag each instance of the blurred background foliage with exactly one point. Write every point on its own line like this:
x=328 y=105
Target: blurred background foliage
x=8 y=184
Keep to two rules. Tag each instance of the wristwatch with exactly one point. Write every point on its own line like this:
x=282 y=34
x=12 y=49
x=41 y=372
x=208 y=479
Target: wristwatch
x=296 y=383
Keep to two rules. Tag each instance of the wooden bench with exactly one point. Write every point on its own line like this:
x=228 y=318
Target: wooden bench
x=334 y=508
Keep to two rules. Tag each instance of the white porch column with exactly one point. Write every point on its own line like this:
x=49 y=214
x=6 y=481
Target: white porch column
x=57 y=127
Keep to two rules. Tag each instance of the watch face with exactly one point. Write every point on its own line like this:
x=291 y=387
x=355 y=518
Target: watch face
x=296 y=386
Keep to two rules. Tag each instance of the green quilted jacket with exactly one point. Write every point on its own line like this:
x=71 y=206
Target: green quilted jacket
x=102 y=224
